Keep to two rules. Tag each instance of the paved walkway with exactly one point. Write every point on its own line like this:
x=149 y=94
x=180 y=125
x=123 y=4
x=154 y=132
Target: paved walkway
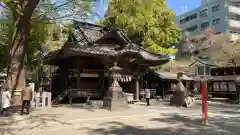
x=159 y=119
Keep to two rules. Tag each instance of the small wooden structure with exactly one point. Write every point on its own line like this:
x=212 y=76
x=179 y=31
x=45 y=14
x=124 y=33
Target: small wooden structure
x=225 y=82
x=163 y=82
x=85 y=59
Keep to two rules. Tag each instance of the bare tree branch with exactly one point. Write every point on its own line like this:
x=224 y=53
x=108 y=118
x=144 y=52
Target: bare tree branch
x=1 y=4
x=216 y=46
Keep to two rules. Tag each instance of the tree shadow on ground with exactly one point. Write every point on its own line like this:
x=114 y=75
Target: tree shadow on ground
x=218 y=124
x=225 y=108
x=15 y=124
x=174 y=124
x=82 y=106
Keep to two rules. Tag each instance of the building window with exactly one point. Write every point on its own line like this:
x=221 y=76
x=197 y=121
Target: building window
x=186 y=54
x=192 y=28
x=216 y=21
x=188 y=18
x=193 y=16
x=232 y=86
x=182 y=21
x=200 y=70
x=215 y=8
x=204 y=13
x=207 y=70
x=223 y=86
x=205 y=25
x=216 y=86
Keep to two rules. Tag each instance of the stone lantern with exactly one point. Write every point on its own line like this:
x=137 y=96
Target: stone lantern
x=115 y=70
x=179 y=92
x=114 y=98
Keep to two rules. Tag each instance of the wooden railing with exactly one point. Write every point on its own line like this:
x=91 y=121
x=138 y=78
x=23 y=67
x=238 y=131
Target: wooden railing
x=74 y=93
x=85 y=93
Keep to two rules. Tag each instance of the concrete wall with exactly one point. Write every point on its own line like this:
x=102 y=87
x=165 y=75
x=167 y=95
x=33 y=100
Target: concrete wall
x=222 y=14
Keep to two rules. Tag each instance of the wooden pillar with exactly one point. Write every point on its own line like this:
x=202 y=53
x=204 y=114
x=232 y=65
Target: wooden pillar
x=162 y=87
x=101 y=77
x=70 y=97
x=70 y=88
x=79 y=78
x=141 y=82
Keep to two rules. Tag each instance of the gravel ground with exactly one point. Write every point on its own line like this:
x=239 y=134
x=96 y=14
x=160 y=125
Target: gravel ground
x=157 y=119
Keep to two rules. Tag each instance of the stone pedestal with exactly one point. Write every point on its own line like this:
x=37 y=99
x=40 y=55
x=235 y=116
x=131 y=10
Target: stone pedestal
x=46 y=99
x=115 y=98
x=112 y=104
x=178 y=98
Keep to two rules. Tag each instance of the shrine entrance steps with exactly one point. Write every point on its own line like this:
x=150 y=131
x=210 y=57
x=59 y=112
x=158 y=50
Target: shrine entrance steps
x=60 y=97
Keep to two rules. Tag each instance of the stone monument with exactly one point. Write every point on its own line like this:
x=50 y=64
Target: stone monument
x=115 y=98
x=179 y=93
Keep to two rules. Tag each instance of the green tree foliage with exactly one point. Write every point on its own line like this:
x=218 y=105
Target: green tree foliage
x=27 y=30
x=148 y=22
x=4 y=35
x=37 y=38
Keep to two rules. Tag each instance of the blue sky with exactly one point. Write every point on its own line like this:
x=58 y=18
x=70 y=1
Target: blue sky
x=100 y=6
x=178 y=6
x=181 y=6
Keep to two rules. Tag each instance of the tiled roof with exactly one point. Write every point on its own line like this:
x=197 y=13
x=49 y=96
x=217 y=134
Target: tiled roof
x=170 y=75
x=87 y=34
x=152 y=56
x=180 y=66
x=112 y=51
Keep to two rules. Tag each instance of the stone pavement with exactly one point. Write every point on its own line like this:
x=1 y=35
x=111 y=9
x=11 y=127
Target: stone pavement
x=158 y=119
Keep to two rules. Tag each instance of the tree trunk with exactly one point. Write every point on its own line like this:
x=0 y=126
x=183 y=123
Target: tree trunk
x=18 y=46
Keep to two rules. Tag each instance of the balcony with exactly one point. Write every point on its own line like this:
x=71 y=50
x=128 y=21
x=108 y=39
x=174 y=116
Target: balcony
x=234 y=10
x=234 y=23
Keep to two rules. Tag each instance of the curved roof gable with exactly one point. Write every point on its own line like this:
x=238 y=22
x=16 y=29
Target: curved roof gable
x=85 y=37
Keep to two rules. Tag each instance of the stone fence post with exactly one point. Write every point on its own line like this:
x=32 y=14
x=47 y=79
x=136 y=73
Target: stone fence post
x=46 y=99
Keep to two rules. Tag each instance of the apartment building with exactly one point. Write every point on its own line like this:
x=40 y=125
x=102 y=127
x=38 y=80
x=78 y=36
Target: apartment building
x=221 y=15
